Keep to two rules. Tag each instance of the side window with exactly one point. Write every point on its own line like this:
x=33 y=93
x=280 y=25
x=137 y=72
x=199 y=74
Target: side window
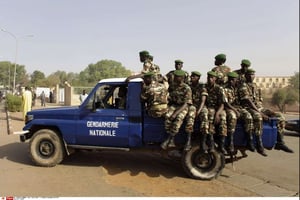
x=121 y=97
x=110 y=97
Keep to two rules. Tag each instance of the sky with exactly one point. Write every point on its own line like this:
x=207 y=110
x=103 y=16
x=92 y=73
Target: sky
x=68 y=35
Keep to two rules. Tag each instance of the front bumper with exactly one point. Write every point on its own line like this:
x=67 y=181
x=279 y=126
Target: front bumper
x=24 y=135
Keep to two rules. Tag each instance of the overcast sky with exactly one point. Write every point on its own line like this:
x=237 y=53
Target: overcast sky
x=71 y=34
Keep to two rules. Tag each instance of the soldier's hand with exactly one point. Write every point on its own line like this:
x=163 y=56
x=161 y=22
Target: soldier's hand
x=217 y=119
x=265 y=117
x=238 y=114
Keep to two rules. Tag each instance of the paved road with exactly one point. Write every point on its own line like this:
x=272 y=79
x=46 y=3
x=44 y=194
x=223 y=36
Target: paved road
x=127 y=174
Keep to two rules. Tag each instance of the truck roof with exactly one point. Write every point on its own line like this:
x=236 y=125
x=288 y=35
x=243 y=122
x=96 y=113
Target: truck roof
x=119 y=80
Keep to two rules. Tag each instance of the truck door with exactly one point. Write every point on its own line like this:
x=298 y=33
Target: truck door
x=103 y=119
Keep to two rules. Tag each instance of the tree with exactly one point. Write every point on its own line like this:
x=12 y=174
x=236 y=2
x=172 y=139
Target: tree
x=294 y=81
x=283 y=97
x=101 y=70
x=37 y=77
x=6 y=68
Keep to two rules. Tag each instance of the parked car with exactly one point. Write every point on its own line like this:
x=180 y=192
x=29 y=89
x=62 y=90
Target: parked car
x=293 y=125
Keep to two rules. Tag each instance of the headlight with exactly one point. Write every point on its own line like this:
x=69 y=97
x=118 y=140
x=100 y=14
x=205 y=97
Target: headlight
x=28 y=118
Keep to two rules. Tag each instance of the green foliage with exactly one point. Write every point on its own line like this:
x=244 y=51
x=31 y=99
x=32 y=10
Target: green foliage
x=37 y=77
x=87 y=78
x=6 y=68
x=14 y=103
x=294 y=81
x=101 y=70
x=283 y=97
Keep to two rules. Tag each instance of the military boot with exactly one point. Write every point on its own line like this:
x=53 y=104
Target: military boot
x=203 y=146
x=164 y=145
x=172 y=142
x=188 y=145
x=231 y=143
x=211 y=143
x=250 y=144
x=280 y=145
x=221 y=143
x=259 y=145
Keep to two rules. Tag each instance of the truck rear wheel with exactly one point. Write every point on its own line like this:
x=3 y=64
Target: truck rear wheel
x=204 y=166
x=46 y=148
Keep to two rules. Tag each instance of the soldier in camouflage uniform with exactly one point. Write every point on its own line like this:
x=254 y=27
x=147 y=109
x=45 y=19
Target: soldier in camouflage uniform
x=249 y=96
x=196 y=107
x=180 y=97
x=216 y=113
x=245 y=64
x=221 y=69
x=148 y=66
x=235 y=111
x=265 y=112
x=154 y=94
x=170 y=74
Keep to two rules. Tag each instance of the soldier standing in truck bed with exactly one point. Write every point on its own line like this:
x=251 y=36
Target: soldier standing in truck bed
x=245 y=64
x=178 y=66
x=221 y=69
x=148 y=66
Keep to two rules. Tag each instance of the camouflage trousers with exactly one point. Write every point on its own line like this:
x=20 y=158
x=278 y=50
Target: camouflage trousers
x=157 y=111
x=257 y=121
x=278 y=115
x=222 y=126
x=204 y=125
x=172 y=126
x=245 y=116
x=190 y=119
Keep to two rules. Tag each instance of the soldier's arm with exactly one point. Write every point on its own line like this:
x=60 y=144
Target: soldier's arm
x=218 y=114
x=179 y=110
x=203 y=99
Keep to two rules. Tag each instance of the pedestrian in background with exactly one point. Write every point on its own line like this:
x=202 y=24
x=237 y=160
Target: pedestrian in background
x=43 y=99
x=83 y=96
x=26 y=101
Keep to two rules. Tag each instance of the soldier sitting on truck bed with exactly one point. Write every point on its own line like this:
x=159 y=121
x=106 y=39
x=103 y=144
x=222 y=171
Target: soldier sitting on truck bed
x=251 y=88
x=154 y=95
x=180 y=97
x=216 y=113
x=196 y=107
x=234 y=111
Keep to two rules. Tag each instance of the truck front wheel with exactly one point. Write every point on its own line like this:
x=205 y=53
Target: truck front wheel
x=46 y=148
x=204 y=166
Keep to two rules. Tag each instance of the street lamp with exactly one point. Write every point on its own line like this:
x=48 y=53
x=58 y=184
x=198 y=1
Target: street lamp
x=16 y=55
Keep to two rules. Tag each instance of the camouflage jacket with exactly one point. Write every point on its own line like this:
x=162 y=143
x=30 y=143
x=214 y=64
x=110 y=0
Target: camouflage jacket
x=180 y=94
x=222 y=71
x=231 y=95
x=216 y=96
x=241 y=78
x=154 y=94
x=197 y=92
x=252 y=92
x=170 y=77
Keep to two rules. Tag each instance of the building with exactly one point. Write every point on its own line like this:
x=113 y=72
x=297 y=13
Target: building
x=271 y=83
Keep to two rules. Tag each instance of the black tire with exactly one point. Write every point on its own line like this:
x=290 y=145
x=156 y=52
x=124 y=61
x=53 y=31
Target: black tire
x=46 y=148
x=204 y=166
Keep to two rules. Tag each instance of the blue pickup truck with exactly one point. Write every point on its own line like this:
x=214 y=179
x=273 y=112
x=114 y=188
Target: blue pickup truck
x=100 y=124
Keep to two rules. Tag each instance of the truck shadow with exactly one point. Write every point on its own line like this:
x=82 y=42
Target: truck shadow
x=16 y=152
x=113 y=162
x=117 y=162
